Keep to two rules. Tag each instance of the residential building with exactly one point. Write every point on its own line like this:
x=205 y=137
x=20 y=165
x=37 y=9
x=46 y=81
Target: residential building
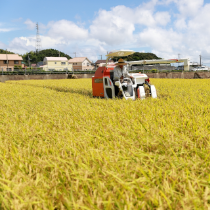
x=102 y=62
x=33 y=65
x=40 y=64
x=81 y=64
x=56 y=63
x=8 y=62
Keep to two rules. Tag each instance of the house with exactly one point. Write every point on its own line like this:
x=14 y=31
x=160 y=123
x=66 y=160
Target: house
x=40 y=64
x=8 y=62
x=33 y=65
x=102 y=62
x=56 y=63
x=23 y=64
x=81 y=64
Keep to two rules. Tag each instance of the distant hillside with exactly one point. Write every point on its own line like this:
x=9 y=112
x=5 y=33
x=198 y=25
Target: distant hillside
x=37 y=57
x=139 y=56
x=142 y=56
x=5 y=52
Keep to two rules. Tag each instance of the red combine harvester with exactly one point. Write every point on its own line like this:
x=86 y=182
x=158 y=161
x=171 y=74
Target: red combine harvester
x=137 y=87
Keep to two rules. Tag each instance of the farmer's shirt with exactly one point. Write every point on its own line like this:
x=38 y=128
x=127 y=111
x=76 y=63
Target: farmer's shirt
x=118 y=72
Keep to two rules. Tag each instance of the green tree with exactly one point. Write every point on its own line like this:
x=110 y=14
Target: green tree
x=138 y=56
x=36 y=57
x=5 y=52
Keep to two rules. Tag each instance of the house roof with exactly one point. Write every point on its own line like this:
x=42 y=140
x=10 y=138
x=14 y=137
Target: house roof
x=100 y=61
x=13 y=57
x=78 y=59
x=56 y=59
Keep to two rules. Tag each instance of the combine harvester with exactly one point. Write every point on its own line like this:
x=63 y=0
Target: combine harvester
x=138 y=87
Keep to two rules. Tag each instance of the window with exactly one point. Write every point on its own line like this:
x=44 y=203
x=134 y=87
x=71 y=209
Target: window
x=16 y=62
x=63 y=63
x=5 y=62
x=87 y=64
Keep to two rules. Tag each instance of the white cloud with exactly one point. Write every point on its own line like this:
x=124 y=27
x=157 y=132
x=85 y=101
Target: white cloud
x=162 y=18
x=112 y=28
x=67 y=30
x=160 y=39
x=180 y=24
x=22 y=45
x=118 y=25
x=185 y=7
x=189 y=7
x=6 y=29
x=2 y=45
x=17 y=20
x=150 y=5
x=30 y=24
x=200 y=23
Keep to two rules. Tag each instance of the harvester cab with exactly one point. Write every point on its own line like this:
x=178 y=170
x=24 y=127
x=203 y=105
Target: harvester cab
x=103 y=84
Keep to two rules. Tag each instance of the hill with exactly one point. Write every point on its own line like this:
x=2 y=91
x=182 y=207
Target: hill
x=5 y=52
x=139 y=56
x=36 y=57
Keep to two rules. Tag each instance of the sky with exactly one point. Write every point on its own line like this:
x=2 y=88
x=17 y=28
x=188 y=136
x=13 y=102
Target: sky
x=168 y=28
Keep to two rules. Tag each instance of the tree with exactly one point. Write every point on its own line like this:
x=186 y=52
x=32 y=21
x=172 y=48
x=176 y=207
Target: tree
x=36 y=57
x=138 y=56
x=5 y=52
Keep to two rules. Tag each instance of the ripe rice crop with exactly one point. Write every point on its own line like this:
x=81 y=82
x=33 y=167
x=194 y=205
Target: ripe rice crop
x=63 y=149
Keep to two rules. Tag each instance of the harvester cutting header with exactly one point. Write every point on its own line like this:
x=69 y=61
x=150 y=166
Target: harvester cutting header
x=113 y=80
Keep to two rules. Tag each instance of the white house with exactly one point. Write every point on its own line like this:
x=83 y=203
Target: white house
x=56 y=63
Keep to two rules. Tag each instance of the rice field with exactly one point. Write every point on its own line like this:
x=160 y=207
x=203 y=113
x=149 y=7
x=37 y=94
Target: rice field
x=60 y=148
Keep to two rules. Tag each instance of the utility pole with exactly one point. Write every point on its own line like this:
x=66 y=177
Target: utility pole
x=59 y=54
x=7 y=59
x=200 y=60
x=29 y=61
x=178 y=58
x=75 y=54
x=101 y=56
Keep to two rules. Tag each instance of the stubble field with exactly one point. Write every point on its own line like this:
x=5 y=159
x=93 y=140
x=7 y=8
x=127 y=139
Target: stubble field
x=60 y=148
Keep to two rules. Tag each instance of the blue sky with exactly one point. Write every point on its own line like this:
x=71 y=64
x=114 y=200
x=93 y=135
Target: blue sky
x=91 y=28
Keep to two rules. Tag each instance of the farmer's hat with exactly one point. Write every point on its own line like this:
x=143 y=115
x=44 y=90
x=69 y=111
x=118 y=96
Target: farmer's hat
x=121 y=62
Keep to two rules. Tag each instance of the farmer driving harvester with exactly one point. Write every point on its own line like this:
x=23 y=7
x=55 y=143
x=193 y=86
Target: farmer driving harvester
x=120 y=72
x=110 y=81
